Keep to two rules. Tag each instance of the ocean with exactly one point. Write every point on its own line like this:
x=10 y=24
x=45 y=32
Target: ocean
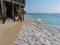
x=49 y=19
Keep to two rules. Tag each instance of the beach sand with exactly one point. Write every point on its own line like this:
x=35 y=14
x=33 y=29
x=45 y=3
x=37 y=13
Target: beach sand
x=9 y=31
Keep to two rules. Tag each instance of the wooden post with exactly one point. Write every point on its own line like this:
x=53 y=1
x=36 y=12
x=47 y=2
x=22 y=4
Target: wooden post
x=13 y=11
x=22 y=10
x=2 y=11
x=23 y=14
x=2 y=6
x=20 y=13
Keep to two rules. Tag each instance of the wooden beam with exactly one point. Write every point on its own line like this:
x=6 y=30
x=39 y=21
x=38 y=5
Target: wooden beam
x=15 y=2
x=2 y=8
x=18 y=3
x=7 y=1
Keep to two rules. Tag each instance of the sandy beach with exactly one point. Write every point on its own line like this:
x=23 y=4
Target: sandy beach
x=9 y=31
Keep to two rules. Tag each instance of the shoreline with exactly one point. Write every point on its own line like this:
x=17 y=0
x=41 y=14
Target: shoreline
x=8 y=36
x=51 y=30
x=35 y=29
x=45 y=25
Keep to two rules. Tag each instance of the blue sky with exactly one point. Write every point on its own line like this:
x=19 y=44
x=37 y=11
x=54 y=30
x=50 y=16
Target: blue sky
x=42 y=6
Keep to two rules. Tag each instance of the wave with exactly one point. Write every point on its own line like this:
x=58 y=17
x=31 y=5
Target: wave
x=51 y=25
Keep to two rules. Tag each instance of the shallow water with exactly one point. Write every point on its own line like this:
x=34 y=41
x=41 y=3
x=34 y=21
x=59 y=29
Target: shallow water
x=50 y=19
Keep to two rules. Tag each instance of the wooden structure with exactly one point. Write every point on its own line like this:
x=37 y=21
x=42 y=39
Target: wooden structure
x=8 y=9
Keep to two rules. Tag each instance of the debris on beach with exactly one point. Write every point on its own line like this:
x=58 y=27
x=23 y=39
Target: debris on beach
x=34 y=34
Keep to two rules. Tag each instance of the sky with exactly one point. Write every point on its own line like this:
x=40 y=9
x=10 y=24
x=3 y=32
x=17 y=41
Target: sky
x=42 y=6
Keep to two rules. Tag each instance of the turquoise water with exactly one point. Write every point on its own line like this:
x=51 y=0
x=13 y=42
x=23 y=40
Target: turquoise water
x=50 y=19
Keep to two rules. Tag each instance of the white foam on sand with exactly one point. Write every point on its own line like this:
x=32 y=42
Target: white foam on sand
x=35 y=34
